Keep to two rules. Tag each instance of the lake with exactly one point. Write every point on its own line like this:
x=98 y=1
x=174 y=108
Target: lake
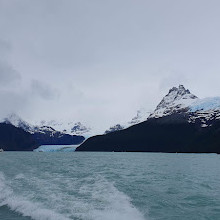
x=109 y=186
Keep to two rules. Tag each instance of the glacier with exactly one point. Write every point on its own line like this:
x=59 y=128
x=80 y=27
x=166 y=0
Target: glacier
x=205 y=104
x=56 y=148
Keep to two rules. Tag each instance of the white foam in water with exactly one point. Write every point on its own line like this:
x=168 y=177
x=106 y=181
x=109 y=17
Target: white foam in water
x=19 y=176
x=116 y=205
x=26 y=208
x=89 y=198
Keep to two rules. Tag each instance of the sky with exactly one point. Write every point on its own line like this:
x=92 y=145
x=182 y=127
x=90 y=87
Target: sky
x=99 y=61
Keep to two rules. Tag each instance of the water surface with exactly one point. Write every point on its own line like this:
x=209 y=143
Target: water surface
x=109 y=186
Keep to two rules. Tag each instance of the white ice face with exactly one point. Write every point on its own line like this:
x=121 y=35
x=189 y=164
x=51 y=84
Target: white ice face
x=56 y=148
x=206 y=104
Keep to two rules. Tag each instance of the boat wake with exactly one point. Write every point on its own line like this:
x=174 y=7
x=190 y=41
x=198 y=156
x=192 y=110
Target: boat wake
x=90 y=198
x=23 y=206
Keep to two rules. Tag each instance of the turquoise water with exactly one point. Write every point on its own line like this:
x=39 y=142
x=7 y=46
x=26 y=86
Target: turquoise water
x=109 y=186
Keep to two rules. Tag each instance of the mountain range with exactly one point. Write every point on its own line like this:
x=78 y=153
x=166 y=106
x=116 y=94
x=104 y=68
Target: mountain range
x=181 y=122
x=37 y=135
x=54 y=132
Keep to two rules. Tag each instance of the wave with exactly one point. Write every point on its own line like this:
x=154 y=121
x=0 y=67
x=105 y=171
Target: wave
x=25 y=207
x=115 y=205
x=92 y=198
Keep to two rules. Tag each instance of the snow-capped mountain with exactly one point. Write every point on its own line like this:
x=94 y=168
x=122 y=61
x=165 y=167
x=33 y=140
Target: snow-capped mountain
x=180 y=123
x=71 y=128
x=43 y=134
x=79 y=129
x=181 y=100
x=19 y=123
x=142 y=115
x=178 y=99
x=68 y=127
x=204 y=111
x=114 y=128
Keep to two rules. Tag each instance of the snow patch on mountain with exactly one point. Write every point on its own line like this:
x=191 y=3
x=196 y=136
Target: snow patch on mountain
x=206 y=111
x=117 y=127
x=142 y=115
x=19 y=123
x=68 y=127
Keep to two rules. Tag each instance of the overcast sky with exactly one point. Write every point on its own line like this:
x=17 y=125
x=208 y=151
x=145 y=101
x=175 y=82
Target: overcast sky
x=99 y=61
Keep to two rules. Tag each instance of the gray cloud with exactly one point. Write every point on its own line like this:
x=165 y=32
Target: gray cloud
x=5 y=48
x=98 y=61
x=13 y=102
x=172 y=78
x=43 y=90
x=8 y=74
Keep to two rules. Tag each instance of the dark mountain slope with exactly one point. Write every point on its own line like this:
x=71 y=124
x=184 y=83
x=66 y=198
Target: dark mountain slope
x=15 y=139
x=49 y=136
x=171 y=133
x=44 y=135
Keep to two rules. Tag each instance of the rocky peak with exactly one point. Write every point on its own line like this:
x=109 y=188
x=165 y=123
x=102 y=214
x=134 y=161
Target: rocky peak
x=177 y=98
x=175 y=94
x=117 y=127
x=79 y=129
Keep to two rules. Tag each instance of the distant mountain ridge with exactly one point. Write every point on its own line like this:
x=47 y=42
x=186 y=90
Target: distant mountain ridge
x=72 y=128
x=181 y=122
x=68 y=127
x=141 y=115
x=43 y=135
